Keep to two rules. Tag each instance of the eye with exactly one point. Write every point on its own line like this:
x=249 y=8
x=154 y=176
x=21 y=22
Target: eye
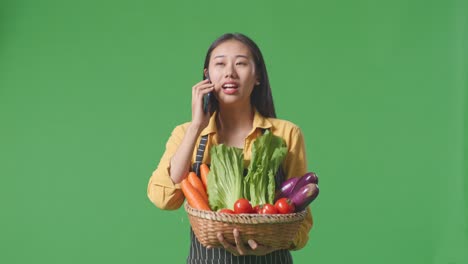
x=219 y=63
x=241 y=63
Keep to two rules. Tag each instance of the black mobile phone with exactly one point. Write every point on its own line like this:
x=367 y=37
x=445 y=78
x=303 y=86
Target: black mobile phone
x=206 y=100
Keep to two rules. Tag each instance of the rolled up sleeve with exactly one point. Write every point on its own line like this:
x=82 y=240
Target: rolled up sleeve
x=296 y=165
x=302 y=236
x=162 y=192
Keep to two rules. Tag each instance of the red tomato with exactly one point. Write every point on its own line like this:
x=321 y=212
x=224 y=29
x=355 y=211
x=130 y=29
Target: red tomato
x=256 y=209
x=285 y=206
x=243 y=206
x=226 y=211
x=268 y=209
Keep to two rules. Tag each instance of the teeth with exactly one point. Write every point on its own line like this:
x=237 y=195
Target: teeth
x=229 y=85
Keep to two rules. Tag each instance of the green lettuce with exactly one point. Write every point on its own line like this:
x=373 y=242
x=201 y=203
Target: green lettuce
x=268 y=152
x=225 y=180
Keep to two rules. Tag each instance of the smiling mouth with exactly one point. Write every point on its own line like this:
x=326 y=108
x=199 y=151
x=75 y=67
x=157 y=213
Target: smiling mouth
x=230 y=86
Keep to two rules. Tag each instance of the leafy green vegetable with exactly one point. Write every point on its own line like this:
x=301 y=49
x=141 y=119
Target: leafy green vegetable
x=268 y=152
x=225 y=180
x=226 y=183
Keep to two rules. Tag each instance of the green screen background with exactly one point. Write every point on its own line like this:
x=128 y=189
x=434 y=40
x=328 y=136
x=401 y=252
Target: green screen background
x=90 y=91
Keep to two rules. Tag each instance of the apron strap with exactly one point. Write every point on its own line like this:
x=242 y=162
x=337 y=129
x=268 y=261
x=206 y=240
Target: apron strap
x=200 y=153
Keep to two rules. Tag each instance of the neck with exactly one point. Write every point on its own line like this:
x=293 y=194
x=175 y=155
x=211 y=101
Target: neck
x=235 y=119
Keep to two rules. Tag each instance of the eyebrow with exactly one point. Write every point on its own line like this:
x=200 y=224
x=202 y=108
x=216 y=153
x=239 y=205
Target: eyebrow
x=221 y=56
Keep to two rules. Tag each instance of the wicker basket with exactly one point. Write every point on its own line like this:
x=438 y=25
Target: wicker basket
x=275 y=230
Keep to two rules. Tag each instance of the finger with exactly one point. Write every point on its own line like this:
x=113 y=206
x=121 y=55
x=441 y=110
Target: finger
x=204 y=82
x=252 y=244
x=195 y=87
x=204 y=87
x=259 y=248
x=204 y=90
x=200 y=91
x=238 y=240
x=225 y=244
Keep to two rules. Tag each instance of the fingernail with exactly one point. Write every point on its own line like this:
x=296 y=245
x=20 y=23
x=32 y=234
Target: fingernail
x=236 y=232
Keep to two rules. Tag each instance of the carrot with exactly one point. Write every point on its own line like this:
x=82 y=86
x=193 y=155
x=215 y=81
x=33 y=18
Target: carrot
x=204 y=170
x=196 y=182
x=194 y=198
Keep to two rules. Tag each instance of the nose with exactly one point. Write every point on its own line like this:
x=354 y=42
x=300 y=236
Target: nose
x=230 y=71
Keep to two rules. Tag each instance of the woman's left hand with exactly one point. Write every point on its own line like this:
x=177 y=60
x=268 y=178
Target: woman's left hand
x=239 y=249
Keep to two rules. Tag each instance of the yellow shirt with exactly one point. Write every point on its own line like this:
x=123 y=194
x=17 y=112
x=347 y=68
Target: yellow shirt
x=168 y=196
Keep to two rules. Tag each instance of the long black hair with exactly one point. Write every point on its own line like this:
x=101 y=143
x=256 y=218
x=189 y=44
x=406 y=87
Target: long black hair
x=261 y=97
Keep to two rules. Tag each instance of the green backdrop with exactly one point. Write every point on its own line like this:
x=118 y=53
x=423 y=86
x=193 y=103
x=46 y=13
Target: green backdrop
x=90 y=91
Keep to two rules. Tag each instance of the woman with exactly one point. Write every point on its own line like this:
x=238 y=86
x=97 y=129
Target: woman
x=241 y=109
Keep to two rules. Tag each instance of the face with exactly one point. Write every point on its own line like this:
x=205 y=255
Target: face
x=232 y=70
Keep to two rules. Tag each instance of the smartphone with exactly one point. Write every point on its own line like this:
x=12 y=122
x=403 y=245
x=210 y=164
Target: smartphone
x=206 y=100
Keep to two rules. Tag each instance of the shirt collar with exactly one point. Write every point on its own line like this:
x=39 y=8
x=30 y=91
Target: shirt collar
x=258 y=122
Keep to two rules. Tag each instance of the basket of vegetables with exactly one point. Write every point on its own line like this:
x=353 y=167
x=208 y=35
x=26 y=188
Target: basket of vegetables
x=225 y=199
x=273 y=230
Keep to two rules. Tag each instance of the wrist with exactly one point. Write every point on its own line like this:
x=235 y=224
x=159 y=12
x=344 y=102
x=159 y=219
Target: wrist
x=194 y=128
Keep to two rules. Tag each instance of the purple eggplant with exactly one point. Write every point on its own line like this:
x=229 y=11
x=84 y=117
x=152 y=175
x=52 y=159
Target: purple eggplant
x=310 y=177
x=307 y=178
x=286 y=188
x=304 y=196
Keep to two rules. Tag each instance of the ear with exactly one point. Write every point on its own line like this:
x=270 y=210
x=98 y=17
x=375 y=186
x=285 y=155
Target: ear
x=205 y=73
x=257 y=80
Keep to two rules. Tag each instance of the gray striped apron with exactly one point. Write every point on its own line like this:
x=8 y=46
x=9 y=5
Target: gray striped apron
x=199 y=254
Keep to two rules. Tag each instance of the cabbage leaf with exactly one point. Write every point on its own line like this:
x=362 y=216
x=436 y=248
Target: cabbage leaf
x=268 y=152
x=225 y=179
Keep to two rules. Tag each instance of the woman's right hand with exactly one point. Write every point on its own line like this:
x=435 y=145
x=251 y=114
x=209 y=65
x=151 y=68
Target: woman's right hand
x=199 y=118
